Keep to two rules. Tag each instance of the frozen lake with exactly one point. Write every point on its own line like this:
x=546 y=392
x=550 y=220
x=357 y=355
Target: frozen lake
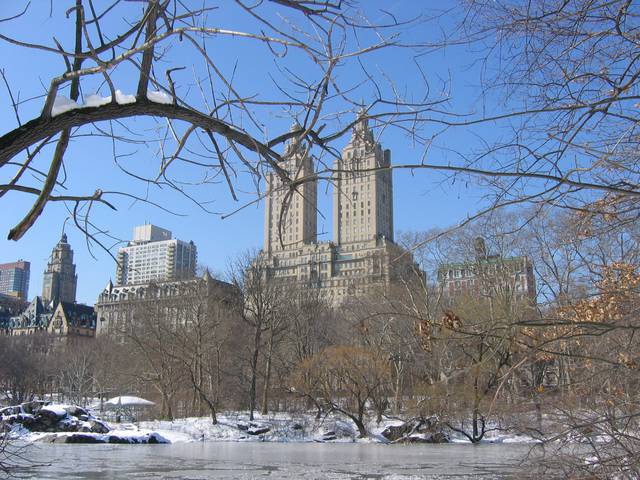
x=223 y=460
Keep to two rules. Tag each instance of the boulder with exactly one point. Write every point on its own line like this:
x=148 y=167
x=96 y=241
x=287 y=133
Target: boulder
x=155 y=438
x=258 y=430
x=44 y=421
x=396 y=432
x=98 y=426
x=80 y=438
x=417 y=430
x=253 y=428
x=76 y=411
x=33 y=406
x=328 y=436
x=116 y=439
x=437 y=437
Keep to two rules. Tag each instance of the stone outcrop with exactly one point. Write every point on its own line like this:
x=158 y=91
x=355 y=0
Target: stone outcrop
x=417 y=430
x=68 y=424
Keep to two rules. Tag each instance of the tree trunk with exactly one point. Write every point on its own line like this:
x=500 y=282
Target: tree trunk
x=359 y=420
x=267 y=376
x=254 y=371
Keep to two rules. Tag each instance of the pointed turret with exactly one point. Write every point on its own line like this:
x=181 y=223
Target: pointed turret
x=60 y=279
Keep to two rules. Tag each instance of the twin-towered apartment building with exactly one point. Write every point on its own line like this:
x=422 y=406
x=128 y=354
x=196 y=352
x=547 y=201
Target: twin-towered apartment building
x=362 y=256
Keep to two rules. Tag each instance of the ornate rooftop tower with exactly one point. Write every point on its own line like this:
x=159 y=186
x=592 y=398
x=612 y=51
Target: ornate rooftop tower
x=291 y=215
x=363 y=191
x=60 y=279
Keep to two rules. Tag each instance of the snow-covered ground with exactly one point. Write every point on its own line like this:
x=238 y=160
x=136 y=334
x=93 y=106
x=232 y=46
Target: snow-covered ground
x=71 y=424
x=287 y=427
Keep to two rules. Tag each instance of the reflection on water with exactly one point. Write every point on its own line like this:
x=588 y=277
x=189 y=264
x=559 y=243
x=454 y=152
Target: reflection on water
x=277 y=460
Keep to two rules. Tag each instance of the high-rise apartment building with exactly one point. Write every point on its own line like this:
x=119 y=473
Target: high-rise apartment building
x=14 y=279
x=60 y=279
x=153 y=256
x=363 y=256
x=290 y=215
x=362 y=189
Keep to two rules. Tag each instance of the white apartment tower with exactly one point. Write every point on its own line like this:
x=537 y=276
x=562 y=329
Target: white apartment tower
x=363 y=189
x=295 y=224
x=153 y=256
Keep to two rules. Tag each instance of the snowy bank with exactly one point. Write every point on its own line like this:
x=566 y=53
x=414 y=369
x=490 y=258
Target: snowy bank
x=61 y=423
x=302 y=427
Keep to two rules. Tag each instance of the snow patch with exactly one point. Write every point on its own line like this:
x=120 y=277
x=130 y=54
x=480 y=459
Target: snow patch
x=159 y=97
x=63 y=104
x=95 y=100
x=58 y=409
x=123 y=98
x=128 y=401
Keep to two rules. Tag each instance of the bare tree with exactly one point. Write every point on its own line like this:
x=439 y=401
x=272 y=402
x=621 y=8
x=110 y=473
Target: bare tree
x=151 y=333
x=261 y=313
x=208 y=316
x=126 y=61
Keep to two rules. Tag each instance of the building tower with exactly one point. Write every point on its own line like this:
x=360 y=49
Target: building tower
x=60 y=279
x=153 y=256
x=14 y=279
x=362 y=189
x=294 y=224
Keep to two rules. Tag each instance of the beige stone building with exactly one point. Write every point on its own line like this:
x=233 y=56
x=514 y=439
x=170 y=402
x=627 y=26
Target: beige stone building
x=290 y=215
x=362 y=257
x=118 y=306
x=489 y=276
x=60 y=280
x=363 y=189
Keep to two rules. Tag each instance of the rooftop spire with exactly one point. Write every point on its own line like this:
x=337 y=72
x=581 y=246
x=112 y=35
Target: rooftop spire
x=361 y=130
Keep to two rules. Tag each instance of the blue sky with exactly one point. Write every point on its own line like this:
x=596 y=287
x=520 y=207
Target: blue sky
x=422 y=200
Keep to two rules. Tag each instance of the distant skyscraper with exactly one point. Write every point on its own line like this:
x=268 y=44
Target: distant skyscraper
x=363 y=189
x=60 y=279
x=14 y=279
x=296 y=225
x=362 y=259
x=153 y=256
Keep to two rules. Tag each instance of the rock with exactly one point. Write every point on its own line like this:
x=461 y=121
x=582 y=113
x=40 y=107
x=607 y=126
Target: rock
x=33 y=406
x=69 y=424
x=116 y=439
x=48 y=438
x=417 y=430
x=242 y=426
x=79 y=438
x=98 y=426
x=297 y=426
x=328 y=436
x=43 y=421
x=258 y=430
x=437 y=437
x=396 y=432
x=7 y=411
x=156 y=438
x=76 y=411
